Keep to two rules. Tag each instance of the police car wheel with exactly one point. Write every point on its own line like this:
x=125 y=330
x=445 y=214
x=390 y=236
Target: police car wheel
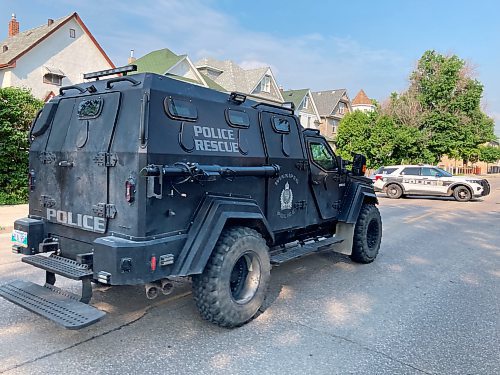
x=367 y=235
x=233 y=286
x=462 y=194
x=394 y=191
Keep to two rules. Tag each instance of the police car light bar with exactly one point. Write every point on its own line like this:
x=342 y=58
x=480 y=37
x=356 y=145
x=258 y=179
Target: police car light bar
x=102 y=73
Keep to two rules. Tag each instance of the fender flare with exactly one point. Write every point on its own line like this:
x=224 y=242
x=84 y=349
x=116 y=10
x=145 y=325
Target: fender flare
x=449 y=192
x=354 y=199
x=395 y=183
x=210 y=219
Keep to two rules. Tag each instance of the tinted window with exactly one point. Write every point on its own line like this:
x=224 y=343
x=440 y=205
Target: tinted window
x=321 y=156
x=280 y=124
x=411 y=171
x=426 y=171
x=384 y=170
x=238 y=119
x=181 y=109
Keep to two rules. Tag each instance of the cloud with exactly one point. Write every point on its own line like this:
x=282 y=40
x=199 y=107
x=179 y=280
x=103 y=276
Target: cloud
x=310 y=60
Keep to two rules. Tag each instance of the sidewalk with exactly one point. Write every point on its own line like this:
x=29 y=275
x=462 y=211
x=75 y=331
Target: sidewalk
x=9 y=213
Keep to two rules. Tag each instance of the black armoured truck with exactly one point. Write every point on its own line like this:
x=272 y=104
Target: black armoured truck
x=140 y=179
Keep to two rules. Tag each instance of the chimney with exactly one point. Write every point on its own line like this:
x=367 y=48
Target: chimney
x=131 y=59
x=13 y=26
x=50 y=21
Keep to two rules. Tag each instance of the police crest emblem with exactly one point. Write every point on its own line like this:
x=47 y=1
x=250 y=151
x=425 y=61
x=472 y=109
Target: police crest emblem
x=286 y=198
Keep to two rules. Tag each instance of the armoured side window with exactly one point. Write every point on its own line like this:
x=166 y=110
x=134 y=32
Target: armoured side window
x=411 y=171
x=280 y=125
x=237 y=119
x=180 y=109
x=322 y=156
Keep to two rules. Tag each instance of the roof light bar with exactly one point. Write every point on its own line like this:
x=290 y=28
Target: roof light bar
x=102 y=73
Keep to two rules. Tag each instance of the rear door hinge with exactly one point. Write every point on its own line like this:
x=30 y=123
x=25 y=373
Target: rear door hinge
x=47 y=201
x=107 y=159
x=300 y=205
x=47 y=157
x=104 y=210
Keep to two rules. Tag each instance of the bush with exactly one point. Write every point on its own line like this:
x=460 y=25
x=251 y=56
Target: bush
x=18 y=107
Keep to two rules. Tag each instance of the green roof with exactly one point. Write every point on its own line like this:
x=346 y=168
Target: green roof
x=294 y=96
x=212 y=84
x=157 y=61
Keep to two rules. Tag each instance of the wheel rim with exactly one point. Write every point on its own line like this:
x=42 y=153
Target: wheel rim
x=393 y=191
x=245 y=278
x=463 y=194
x=373 y=234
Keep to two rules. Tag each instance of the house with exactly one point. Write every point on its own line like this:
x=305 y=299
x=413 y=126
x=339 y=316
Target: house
x=166 y=62
x=50 y=56
x=305 y=108
x=362 y=102
x=332 y=106
x=259 y=84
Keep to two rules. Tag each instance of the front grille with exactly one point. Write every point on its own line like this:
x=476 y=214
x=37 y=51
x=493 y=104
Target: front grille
x=486 y=187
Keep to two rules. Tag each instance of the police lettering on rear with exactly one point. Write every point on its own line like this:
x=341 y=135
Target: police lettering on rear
x=85 y=222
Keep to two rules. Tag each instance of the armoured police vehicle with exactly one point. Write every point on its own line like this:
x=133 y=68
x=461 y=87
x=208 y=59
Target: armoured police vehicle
x=139 y=179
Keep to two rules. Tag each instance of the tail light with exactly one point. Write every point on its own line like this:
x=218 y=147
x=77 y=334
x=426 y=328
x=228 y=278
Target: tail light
x=378 y=177
x=130 y=190
x=31 y=180
x=153 y=263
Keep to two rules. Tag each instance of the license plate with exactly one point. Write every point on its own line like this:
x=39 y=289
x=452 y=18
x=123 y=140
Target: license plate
x=20 y=237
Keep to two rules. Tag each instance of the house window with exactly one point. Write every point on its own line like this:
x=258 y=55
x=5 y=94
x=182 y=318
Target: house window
x=306 y=102
x=52 y=79
x=72 y=33
x=341 y=108
x=265 y=84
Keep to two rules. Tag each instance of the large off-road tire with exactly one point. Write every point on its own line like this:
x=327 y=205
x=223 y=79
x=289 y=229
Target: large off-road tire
x=367 y=235
x=462 y=194
x=233 y=286
x=394 y=191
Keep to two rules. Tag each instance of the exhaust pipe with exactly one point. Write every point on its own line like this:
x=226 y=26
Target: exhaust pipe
x=152 y=290
x=167 y=286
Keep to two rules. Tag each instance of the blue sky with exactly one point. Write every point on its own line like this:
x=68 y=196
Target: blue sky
x=372 y=45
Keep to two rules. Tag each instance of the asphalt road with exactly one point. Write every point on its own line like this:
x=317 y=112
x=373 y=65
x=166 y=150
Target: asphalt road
x=429 y=304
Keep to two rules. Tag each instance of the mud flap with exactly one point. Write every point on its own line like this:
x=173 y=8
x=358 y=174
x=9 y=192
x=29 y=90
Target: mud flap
x=345 y=231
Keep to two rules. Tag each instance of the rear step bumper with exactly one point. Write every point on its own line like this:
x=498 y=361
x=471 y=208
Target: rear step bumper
x=51 y=303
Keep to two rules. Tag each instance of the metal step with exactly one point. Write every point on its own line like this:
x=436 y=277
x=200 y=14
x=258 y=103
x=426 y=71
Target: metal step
x=51 y=303
x=60 y=266
x=299 y=251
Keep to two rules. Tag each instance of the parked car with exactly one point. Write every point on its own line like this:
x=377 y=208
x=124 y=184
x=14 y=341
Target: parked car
x=428 y=180
x=379 y=173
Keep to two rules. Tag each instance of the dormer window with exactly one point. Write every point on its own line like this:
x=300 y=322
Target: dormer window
x=341 y=108
x=53 y=76
x=72 y=33
x=306 y=102
x=265 y=84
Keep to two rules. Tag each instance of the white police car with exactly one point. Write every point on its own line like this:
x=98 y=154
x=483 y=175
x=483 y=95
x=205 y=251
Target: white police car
x=429 y=180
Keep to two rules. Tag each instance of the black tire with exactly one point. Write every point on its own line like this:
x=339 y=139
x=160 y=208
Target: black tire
x=462 y=194
x=367 y=235
x=234 y=283
x=394 y=191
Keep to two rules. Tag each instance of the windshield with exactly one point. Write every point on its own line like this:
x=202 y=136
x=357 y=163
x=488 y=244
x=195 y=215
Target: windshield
x=444 y=173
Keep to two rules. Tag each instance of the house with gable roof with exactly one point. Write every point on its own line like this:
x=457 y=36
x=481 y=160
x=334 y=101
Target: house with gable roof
x=50 y=56
x=332 y=106
x=362 y=103
x=166 y=62
x=305 y=107
x=259 y=84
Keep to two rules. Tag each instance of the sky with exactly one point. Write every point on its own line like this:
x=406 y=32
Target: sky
x=321 y=45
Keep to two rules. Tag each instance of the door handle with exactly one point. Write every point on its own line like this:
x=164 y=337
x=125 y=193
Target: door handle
x=65 y=163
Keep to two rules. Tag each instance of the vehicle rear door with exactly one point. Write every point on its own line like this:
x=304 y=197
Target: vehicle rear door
x=325 y=177
x=286 y=194
x=76 y=162
x=412 y=180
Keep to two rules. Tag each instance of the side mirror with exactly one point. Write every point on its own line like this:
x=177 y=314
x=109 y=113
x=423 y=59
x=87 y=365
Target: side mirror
x=439 y=175
x=340 y=162
x=359 y=165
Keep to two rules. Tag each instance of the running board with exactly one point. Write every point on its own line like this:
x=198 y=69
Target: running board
x=51 y=303
x=299 y=251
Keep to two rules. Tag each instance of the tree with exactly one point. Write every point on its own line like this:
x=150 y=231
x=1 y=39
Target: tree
x=450 y=98
x=18 y=107
x=489 y=154
x=354 y=135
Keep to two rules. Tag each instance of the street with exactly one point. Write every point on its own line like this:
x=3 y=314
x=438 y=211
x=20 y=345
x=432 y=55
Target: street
x=429 y=304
